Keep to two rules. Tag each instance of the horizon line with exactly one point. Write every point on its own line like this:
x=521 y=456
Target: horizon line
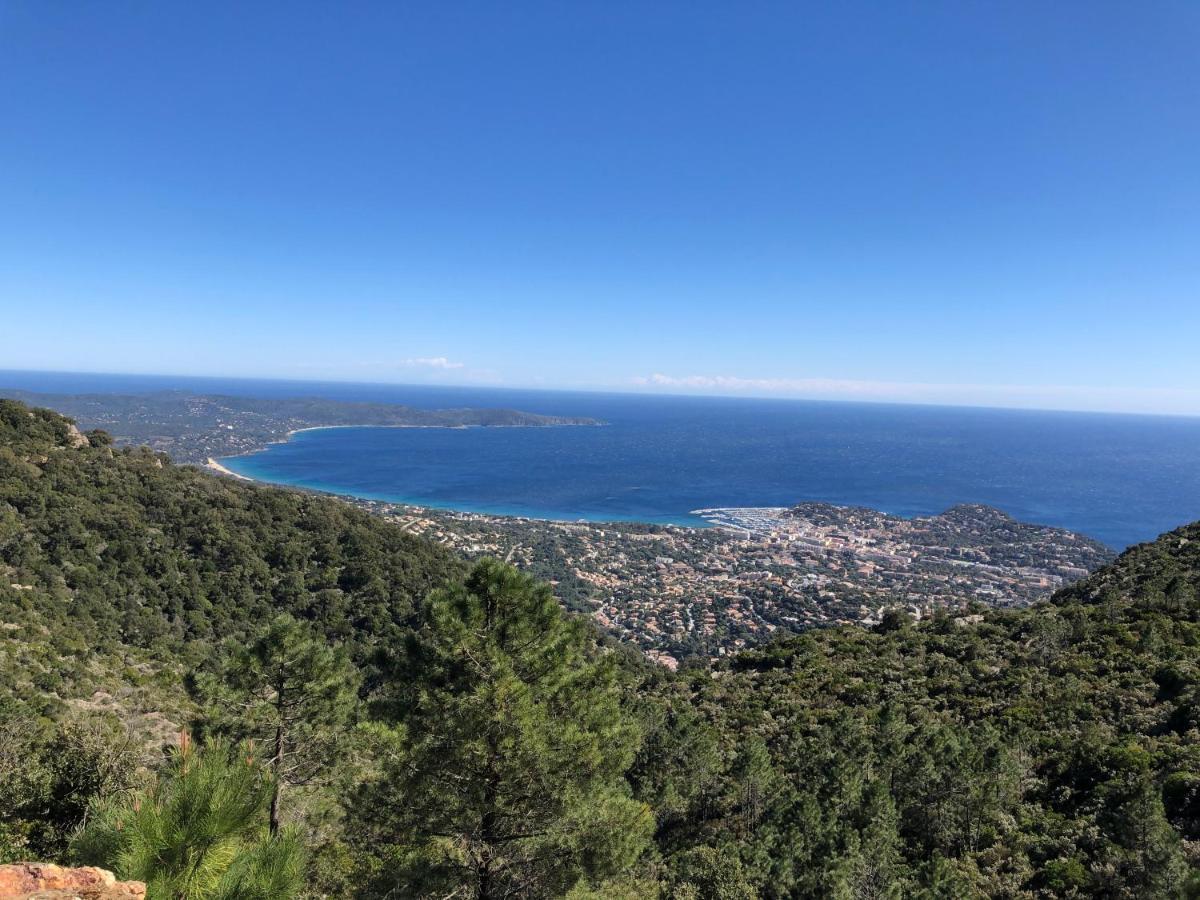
x=609 y=391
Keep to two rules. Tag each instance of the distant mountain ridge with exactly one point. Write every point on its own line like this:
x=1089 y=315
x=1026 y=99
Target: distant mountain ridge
x=194 y=427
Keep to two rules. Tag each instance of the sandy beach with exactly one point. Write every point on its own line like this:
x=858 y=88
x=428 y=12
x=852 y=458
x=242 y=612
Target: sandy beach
x=217 y=467
x=331 y=427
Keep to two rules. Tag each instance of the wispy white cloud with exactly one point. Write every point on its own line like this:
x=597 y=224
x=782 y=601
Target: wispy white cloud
x=1171 y=401
x=430 y=362
x=417 y=369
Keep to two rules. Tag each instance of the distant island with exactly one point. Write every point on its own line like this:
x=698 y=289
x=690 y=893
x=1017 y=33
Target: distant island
x=194 y=428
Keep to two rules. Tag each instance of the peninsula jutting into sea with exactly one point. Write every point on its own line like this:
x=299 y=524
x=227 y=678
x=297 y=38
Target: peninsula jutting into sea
x=201 y=427
x=733 y=580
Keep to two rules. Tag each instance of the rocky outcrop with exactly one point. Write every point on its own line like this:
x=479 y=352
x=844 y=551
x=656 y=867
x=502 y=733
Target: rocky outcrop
x=44 y=881
x=75 y=438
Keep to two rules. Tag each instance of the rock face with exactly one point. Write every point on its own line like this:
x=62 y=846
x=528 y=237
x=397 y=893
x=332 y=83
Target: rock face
x=43 y=881
x=75 y=438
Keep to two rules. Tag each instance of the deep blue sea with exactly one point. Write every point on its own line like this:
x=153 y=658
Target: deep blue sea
x=1121 y=479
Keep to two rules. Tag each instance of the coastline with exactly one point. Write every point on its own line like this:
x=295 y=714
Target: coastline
x=736 y=518
x=214 y=465
x=701 y=519
x=222 y=470
x=692 y=523
x=211 y=462
x=451 y=427
x=729 y=519
x=745 y=522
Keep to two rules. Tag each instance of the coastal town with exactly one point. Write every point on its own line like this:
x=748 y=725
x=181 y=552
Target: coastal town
x=676 y=592
x=679 y=592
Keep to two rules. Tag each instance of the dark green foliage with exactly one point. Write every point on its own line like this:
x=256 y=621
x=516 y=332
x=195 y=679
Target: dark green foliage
x=104 y=547
x=1047 y=752
x=50 y=775
x=288 y=694
x=703 y=873
x=24 y=430
x=1161 y=575
x=118 y=571
x=505 y=773
x=199 y=833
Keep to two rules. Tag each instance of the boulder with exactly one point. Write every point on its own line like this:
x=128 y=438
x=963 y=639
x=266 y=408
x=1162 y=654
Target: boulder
x=45 y=881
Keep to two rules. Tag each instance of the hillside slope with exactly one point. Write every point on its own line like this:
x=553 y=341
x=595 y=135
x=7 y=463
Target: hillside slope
x=1046 y=752
x=1164 y=572
x=104 y=550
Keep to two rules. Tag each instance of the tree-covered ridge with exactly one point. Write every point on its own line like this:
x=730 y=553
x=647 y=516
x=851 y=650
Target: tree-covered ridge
x=193 y=427
x=1164 y=571
x=102 y=546
x=1049 y=752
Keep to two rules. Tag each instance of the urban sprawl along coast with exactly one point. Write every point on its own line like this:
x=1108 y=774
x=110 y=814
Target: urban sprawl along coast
x=677 y=591
x=673 y=591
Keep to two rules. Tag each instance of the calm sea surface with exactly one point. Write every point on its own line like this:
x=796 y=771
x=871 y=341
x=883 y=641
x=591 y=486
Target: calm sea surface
x=1121 y=479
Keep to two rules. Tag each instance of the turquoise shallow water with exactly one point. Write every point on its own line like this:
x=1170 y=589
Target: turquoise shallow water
x=378 y=464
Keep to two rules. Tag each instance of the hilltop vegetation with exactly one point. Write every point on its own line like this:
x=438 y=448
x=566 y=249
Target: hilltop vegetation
x=102 y=547
x=467 y=736
x=1045 y=752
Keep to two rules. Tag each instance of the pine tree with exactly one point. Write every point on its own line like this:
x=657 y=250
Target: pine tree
x=878 y=870
x=1154 y=864
x=506 y=778
x=199 y=833
x=291 y=694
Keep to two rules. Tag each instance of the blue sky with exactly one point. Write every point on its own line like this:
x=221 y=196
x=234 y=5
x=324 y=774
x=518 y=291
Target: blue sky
x=966 y=202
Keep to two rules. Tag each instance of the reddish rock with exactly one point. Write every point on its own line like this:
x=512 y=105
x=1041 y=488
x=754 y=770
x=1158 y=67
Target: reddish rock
x=45 y=881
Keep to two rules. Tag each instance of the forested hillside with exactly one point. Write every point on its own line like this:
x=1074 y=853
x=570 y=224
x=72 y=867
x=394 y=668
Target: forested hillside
x=365 y=718
x=101 y=547
x=1047 y=752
